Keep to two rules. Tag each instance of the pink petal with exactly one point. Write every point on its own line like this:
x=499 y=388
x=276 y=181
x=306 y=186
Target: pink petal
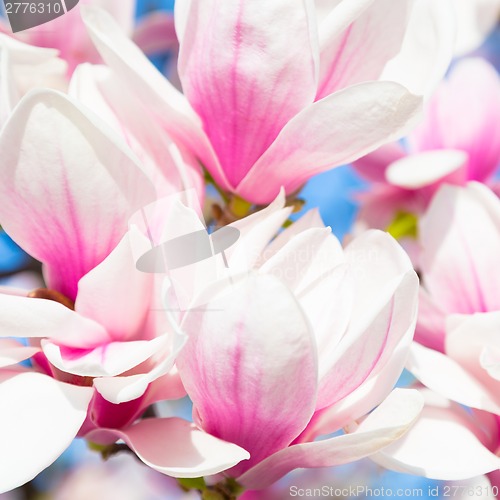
x=177 y=448
x=115 y=294
x=336 y=130
x=472 y=90
x=358 y=52
x=372 y=166
x=155 y=33
x=68 y=35
x=443 y=444
x=362 y=400
x=460 y=239
x=383 y=426
x=235 y=371
x=368 y=345
x=382 y=202
x=159 y=377
x=431 y=322
x=68 y=188
x=41 y=318
x=169 y=107
x=247 y=71
x=39 y=419
x=383 y=316
x=446 y=377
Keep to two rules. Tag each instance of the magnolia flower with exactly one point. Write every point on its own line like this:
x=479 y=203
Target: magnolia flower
x=100 y=350
x=265 y=106
x=301 y=339
x=459 y=321
x=458 y=141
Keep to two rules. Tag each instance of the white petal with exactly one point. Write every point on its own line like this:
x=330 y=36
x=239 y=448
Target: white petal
x=177 y=448
x=441 y=445
x=446 y=377
x=40 y=417
x=419 y=170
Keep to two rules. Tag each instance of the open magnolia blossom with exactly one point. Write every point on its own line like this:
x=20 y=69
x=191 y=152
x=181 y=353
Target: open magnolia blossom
x=299 y=339
x=458 y=334
x=101 y=347
x=458 y=141
x=311 y=103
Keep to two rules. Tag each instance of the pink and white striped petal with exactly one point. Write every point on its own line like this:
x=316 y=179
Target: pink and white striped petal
x=116 y=294
x=460 y=240
x=68 y=187
x=247 y=71
x=333 y=131
x=357 y=52
x=231 y=365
